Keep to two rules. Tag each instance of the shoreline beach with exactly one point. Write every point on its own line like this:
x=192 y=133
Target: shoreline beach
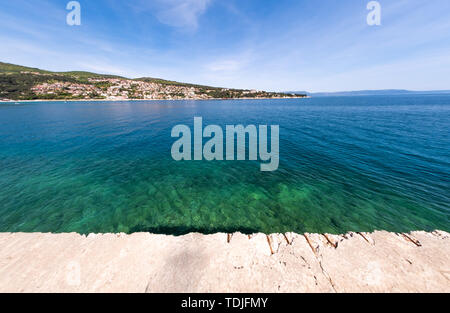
x=143 y=262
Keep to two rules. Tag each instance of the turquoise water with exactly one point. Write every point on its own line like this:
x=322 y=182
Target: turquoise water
x=346 y=163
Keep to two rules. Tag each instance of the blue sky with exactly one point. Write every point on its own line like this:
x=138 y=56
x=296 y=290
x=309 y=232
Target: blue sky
x=274 y=45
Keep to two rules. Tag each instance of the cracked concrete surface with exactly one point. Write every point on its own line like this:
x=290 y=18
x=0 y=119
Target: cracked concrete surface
x=142 y=262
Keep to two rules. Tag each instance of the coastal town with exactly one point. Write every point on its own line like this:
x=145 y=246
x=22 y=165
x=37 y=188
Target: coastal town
x=120 y=89
x=19 y=83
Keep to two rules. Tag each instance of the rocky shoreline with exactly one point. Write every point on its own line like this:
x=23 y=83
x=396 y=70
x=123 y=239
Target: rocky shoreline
x=142 y=262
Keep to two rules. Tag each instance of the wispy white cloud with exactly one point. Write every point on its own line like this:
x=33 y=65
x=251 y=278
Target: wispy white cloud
x=224 y=66
x=97 y=67
x=181 y=13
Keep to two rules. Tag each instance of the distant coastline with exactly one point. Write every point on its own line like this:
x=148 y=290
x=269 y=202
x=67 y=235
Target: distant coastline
x=382 y=92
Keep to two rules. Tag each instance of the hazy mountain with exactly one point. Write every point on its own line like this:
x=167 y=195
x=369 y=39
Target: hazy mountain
x=384 y=92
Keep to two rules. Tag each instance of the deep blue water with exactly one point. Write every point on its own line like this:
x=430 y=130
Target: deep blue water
x=346 y=163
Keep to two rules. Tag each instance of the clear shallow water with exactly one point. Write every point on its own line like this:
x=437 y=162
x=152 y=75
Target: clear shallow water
x=349 y=163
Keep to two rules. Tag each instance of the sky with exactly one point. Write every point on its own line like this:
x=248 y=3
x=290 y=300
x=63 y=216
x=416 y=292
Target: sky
x=273 y=45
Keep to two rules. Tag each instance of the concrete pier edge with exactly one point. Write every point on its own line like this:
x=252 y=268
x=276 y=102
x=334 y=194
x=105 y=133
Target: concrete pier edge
x=142 y=262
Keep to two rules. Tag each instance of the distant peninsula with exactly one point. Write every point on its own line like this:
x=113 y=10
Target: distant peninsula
x=382 y=92
x=25 y=83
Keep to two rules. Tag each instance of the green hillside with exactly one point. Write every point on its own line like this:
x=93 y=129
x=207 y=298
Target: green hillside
x=12 y=68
